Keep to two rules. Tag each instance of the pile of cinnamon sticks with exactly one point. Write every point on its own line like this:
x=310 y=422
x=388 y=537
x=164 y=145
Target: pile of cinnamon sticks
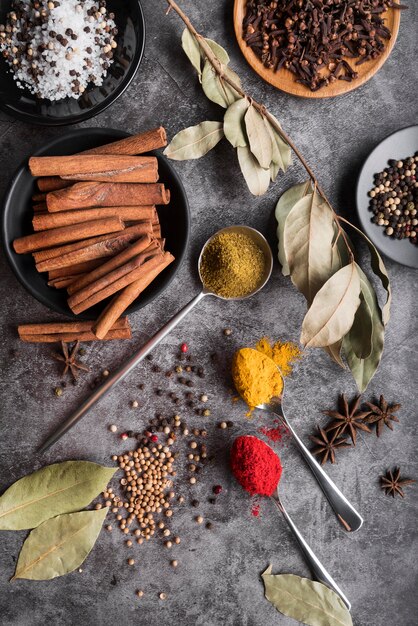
x=96 y=226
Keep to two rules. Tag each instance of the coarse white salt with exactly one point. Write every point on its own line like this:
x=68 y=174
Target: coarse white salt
x=57 y=49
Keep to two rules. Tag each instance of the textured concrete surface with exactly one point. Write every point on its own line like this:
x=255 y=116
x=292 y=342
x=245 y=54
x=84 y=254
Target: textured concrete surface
x=217 y=582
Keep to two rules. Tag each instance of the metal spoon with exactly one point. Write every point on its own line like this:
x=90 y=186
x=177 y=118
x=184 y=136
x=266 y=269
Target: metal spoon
x=318 y=570
x=345 y=512
x=138 y=356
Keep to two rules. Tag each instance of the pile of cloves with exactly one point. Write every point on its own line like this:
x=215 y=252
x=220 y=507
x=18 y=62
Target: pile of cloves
x=314 y=38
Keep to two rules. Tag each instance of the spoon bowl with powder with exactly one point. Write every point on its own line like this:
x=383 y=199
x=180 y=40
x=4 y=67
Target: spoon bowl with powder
x=260 y=383
x=235 y=263
x=258 y=470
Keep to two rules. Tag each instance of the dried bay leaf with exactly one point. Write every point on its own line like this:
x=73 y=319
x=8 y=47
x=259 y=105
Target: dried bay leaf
x=282 y=153
x=379 y=269
x=274 y=171
x=258 y=137
x=218 y=90
x=53 y=490
x=257 y=178
x=283 y=207
x=195 y=141
x=305 y=600
x=220 y=53
x=192 y=50
x=59 y=545
x=363 y=369
x=334 y=351
x=308 y=236
x=361 y=332
x=332 y=312
x=234 y=127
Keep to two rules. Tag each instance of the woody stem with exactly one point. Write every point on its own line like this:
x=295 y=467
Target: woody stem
x=218 y=67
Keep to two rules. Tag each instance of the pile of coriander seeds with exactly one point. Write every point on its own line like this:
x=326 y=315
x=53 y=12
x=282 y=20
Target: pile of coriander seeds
x=146 y=497
x=394 y=199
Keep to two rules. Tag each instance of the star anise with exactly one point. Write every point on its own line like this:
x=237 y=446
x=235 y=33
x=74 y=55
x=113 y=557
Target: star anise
x=393 y=482
x=327 y=446
x=347 y=418
x=69 y=358
x=382 y=414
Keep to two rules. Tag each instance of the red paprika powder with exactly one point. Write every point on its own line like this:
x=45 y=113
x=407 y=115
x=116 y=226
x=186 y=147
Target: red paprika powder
x=255 y=465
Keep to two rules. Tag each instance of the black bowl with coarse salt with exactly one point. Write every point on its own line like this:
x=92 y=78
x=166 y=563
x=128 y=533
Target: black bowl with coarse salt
x=130 y=40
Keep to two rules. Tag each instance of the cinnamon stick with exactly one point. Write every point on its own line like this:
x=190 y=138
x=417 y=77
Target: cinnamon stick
x=40 y=207
x=101 y=249
x=74 y=270
x=117 y=285
x=52 y=183
x=122 y=333
x=115 y=168
x=66 y=218
x=51 y=328
x=39 y=197
x=136 y=144
x=129 y=234
x=107 y=267
x=61 y=283
x=86 y=195
x=122 y=300
x=112 y=277
x=75 y=232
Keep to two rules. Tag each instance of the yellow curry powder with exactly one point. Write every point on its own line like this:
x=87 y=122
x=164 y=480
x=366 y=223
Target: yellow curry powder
x=256 y=377
x=255 y=372
x=283 y=353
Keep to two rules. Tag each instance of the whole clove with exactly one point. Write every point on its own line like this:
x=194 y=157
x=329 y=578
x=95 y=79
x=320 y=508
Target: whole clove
x=314 y=38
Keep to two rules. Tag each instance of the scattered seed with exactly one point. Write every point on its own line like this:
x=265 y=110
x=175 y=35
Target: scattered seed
x=109 y=527
x=113 y=428
x=222 y=425
x=131 y=561
x=58 y=391
x=134 y=404
x=228 y=331
x=199 y=519
x=174 y=563
x=162 y=596
x=139 y=593
x=105 y=373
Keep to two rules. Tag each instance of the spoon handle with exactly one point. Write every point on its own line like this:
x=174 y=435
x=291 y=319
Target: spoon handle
x=119 y=374
x=318 y=570
x=345 y=512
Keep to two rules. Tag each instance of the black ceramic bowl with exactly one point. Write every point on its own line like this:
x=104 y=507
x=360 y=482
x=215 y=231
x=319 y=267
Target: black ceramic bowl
x=399 y=145
x=17 y=217
x=22 y=104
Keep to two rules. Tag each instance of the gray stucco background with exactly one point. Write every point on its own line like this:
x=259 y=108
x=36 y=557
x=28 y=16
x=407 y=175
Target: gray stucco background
x=217 y=582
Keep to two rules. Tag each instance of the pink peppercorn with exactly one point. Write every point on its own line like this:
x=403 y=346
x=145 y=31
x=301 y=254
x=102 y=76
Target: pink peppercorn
x=184 y=347
x=217 y=489
x=154 y=438
x=124 y=436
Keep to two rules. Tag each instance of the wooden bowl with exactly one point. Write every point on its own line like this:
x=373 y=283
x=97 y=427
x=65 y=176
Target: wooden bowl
x=286 y=81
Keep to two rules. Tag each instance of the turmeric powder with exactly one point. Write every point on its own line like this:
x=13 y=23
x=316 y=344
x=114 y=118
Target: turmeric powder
x=282 y=353
x=256 y=377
